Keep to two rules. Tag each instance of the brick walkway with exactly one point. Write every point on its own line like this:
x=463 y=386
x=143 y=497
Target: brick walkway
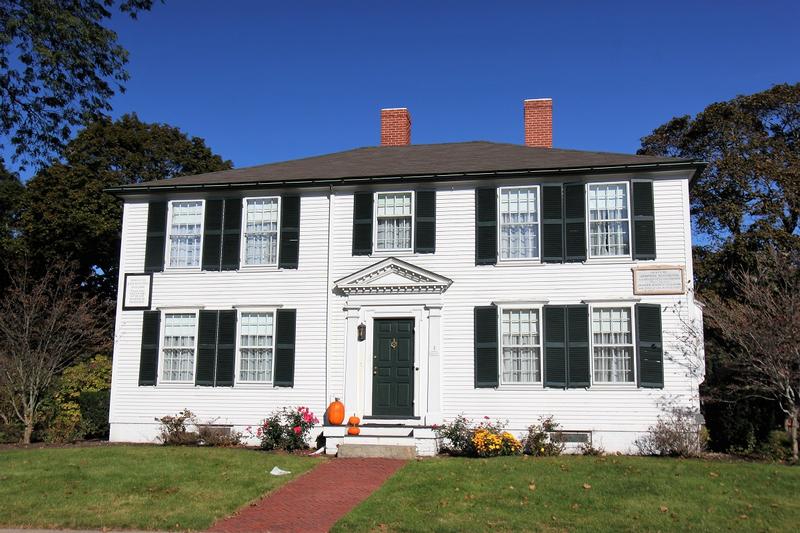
x=314 y=501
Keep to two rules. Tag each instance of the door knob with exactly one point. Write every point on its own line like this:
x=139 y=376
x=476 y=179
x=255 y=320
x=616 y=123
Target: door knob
x=375 y=371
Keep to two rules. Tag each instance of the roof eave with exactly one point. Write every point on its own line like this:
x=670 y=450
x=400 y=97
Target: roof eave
x=698 y=166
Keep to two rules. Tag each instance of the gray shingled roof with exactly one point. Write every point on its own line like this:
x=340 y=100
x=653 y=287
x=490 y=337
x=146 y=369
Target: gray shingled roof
x=417 y=160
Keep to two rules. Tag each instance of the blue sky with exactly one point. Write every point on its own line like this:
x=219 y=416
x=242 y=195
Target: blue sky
x=269 y=81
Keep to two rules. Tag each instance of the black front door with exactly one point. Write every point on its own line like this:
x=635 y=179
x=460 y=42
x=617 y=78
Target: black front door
x=393 y=368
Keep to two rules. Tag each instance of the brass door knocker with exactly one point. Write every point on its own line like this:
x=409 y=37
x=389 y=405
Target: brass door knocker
x=394 y=343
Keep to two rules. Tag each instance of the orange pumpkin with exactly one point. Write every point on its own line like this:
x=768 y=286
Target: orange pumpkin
x=353 y=430
x=336 y=412
x=354 y=420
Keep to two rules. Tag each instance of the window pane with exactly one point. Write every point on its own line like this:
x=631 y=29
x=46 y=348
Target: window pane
x=261 y=232
x=185 y=234
x=609 y=220
x=394 y=221
x=519 y=223
x=179 y=332
x=613 y=345
x=521 y=346
x=256 y=341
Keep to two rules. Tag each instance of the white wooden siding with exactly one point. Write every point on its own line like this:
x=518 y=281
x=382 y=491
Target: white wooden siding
x=607 y=410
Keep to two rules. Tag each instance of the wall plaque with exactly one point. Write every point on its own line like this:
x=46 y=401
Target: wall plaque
x=137 y=292
x=659 y=280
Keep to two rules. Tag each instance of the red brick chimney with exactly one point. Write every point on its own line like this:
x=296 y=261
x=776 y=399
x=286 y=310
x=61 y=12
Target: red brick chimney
x=395 y=127
x=539 y=122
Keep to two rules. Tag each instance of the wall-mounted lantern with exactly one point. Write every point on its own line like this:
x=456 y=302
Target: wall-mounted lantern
x=362 y=332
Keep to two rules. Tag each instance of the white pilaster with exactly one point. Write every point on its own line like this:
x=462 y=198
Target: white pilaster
x=434 y=414
x=351 y=358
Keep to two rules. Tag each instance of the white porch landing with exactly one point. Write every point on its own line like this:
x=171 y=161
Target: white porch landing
x=393 y=439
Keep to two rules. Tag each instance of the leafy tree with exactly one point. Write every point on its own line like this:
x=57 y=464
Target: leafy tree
x=59 y=67
x=67 y=214
x=11 y=195
x=745 y=204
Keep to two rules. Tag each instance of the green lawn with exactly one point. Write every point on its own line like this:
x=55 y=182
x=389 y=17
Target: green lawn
x=582 y=494
x=144 y=487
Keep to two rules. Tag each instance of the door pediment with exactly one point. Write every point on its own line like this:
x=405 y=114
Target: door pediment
x=393 y=276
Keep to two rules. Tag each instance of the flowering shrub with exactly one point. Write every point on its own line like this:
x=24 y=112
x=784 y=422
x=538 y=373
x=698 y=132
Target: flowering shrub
x=538 y=441
x=486 y=439
x=174 y=429
x=286 y=429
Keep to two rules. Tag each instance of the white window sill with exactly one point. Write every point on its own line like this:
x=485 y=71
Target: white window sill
x=521 y=386
x=616 y=259
x=175 y=384
x=518 y=262
x=615 y=386
x=392 y=253
x=258 y=268
x=254 y=385
x=179 y=270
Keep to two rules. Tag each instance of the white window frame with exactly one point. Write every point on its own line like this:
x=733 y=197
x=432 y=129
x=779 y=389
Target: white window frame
x=162 y=330
x=243 y=235
x=600 y=258
x=168 y=232
x=538 y=258
x=393 y=251
x=274 y=310
x=635 y=371
x=539 y=308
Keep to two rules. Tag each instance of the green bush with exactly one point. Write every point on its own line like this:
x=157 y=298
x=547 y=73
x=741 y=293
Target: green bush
x=777 y=447
x=94 y=413
x=174 y=431
x=79 y=405
x=286 y=429
x=539 y=441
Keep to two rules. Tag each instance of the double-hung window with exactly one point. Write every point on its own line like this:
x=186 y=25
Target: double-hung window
x=518 y=223
x=261 y=220
x=609 y=220
x=185 y=233
x=256 y=346
x=394 y=224
x=178 y=352
x=520 y=350
x=612 y=345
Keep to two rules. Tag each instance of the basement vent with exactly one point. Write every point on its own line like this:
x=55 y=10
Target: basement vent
x=572 y=437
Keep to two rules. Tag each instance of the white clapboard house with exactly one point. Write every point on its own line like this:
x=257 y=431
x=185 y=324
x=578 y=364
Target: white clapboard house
x=416 y=283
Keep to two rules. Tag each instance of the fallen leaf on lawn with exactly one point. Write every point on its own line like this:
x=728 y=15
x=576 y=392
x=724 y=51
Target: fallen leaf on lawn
x=532 y=486
x=743 y=516
x=575 y=506
x=511 y=487
x=713 y=474
x=663 y=508
x=774 y=505
x=587 y=486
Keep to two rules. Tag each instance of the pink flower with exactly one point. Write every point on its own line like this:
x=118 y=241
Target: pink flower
x=486 y=417
x=258 y=432
x=297 y=430
x=435 y=426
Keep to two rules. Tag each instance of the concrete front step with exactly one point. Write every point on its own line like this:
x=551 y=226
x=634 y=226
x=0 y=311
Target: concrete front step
x=388 y=451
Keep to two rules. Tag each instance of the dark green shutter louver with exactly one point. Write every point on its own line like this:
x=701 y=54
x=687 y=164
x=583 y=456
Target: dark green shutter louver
x=212 y=235
x=644 y=225
x=650 y=347
x=231 y=234
x=226 y=348
x=148 y=359
x=362 y=223
x=552 y=224
x=555 y=346
x=486 y=226
x=425 y=234
x=156 y=237
x=206 y=348
x=575 y=222
x=486 y=355
x=285 y=333
x=290 y=232
x=578 y=368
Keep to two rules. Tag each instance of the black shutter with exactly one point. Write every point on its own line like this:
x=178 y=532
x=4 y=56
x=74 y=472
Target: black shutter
x=575 y=222
x=650 y=347
x=486 y=226
x=290 y=232
x=156 y=237
x=555 y=346
x=362 y=223
x=231 y=234
x=486 y=355
x=206 y=348
x=552 y=225
x=226 y=348
x=578 y=346
x=148 y=360
x=644 y=224
x=285 y=332
x=425 y=234
x=212 y=235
